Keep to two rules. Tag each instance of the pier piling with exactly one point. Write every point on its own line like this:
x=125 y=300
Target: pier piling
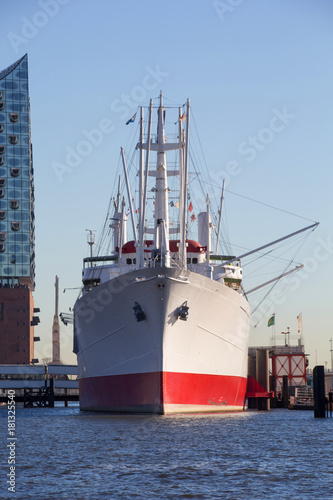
x=262 y=360
x=319 y=391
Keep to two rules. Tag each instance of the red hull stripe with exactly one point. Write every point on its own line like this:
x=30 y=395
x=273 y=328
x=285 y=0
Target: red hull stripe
x=153 y=390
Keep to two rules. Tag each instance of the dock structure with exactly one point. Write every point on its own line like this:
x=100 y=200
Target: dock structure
x=290 y=361
x=286 y=368
x=39 y=385
x=257 y=392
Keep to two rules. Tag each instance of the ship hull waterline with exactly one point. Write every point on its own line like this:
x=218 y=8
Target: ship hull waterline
x=162 y=364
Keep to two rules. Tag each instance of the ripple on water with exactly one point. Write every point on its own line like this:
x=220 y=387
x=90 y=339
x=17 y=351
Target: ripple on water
x=65 y=454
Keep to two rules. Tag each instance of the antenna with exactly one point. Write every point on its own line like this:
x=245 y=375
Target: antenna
x=287 y=336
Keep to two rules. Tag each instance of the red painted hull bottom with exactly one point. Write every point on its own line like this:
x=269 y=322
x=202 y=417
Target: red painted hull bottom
x=163 y=393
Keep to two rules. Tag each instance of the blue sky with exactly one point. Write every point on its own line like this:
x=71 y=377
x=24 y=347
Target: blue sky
x=244 y=65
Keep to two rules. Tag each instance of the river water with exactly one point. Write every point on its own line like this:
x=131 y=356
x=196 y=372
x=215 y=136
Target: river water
x=62 y=453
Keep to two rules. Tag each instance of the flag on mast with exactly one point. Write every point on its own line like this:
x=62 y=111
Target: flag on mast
x=299 y=319
x=131 y=120
x=271 y=320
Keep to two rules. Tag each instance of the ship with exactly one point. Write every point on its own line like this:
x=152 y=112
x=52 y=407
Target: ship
x=161 y=325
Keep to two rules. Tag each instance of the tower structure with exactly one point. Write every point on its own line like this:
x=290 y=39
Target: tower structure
x=56 y=327
x=17 y=218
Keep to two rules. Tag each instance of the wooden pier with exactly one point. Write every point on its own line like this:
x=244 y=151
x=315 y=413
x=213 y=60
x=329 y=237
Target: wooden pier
x=39 y=385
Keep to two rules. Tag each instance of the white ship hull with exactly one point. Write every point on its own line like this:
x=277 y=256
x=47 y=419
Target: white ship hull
x=162 y=364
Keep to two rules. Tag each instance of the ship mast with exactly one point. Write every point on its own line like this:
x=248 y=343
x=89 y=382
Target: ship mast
x=161 y=226
x=161 y=191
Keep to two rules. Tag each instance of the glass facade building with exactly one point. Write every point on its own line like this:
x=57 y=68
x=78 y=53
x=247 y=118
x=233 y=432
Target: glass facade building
x=17 y=228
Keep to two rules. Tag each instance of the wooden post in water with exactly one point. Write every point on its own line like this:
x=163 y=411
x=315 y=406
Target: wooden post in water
x=285 y=391
x=51 y=394
x=319 y=391
x=272 y=388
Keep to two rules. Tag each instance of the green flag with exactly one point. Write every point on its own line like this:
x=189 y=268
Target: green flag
x=271 y=320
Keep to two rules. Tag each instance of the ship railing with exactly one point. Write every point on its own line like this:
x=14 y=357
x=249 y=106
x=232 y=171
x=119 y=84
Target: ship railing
x=172 y=138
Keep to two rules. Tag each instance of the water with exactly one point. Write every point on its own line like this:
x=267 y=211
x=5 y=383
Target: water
x=64 y=454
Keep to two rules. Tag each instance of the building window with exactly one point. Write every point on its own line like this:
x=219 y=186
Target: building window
x=14 y=117
x=128 y=261
x=2 y=182
x=2 y=105
x=2 y=149
x=0 y=95
x=14 y=204
x=2 y=193
x=15 y=226
x=1 y=160
x=2 y=214
x=2 y=247
x=1 y=128
x=12 y=259
x=14 y=171
x=12 y=139
x=2 y=236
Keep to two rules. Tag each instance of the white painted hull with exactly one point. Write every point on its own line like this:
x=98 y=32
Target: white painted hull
x=162 y=364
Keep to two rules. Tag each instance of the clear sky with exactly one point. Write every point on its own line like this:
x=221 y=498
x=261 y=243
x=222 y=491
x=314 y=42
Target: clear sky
x=259 y=75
